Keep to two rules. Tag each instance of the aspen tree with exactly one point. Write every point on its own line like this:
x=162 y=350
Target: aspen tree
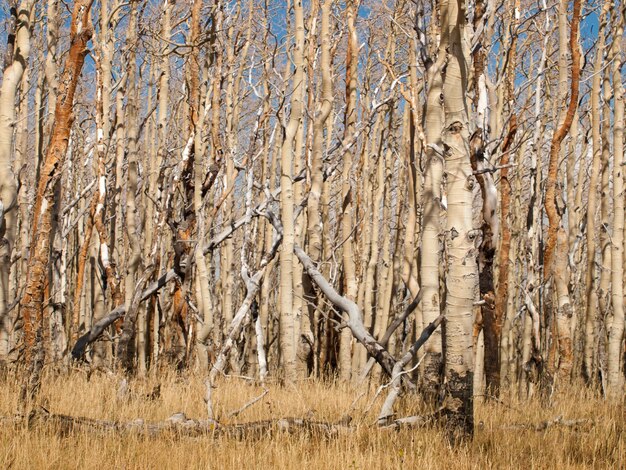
x=265 y=239
x=104 y=248
x=387 y=273
x=116 y=233
x=39 y=113
x=315 y=227
x=55 y=341
x=433 y=205
x=16 y=58
x=556 y=246
x=32 y=303
x=301 y=319
x=375 y=181
x=592 y=201
x=142 y=335
x=232 y=125
x=133 y=249
x=371 y=281
x=350 y=118
x=504 y=249
x=227 y=258
x=489 y=323
x=269 y=178
x=156 y=175
x=50 y=66
x=410 y=267
x=604 y=284
x=533 y=361
x=615 y=349
x=196 y=124
x=288 y=340
x=82 y=264
x=24 y=166
x=364 y=182
x=102 y=59
x=215 y=145
x=461 y=275
x=156 y=180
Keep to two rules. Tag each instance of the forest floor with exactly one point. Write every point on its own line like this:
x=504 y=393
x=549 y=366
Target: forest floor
x=577 y=430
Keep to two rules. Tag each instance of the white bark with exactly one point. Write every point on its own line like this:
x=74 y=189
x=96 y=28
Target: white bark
x=8 y=180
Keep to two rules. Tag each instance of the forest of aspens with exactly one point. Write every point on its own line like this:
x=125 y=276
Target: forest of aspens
x=312 y=233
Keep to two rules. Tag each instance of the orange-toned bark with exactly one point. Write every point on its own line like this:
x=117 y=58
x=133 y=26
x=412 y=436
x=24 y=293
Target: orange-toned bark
x=555 y=262
x=80 y=277
x=494 y=307
x=554 y=218
x=493 y=325
x=32 y=302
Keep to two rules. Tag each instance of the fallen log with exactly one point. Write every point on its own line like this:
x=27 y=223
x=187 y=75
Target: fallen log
x=179 y=425
x=544 y=425
x=410 y=422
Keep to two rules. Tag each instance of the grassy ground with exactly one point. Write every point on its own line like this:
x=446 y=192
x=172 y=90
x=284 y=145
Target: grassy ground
x=600 y=442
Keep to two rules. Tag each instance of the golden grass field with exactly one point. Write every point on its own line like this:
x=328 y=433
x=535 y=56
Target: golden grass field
x=599 y=442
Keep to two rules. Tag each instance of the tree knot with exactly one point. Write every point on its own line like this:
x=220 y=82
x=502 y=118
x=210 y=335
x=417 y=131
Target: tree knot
x=456 y=127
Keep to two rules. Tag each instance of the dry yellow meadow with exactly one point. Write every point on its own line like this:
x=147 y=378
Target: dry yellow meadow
x=509 y=434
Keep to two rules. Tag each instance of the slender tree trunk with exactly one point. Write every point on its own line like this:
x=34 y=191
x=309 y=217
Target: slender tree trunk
x=126 y=352
x=227 y=269
x=50 y=66
x=502 y=294
x=347 y=196
x=157 y=177
x=462 y=273
x=288 y=341
x=605 y=209
x=76 y=329
x=615 y=349
x=301 y=320
x=24 y=166
x=592 y=204
x=32 y=303
x=431 y=218
x=484 y=321
x=315 y=228
x=555 y=250
x=16 y=60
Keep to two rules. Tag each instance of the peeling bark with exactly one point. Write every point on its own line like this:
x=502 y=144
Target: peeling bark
x=32 y=303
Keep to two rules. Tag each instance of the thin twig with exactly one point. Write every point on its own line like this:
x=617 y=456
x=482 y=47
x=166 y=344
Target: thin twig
x=232 y=414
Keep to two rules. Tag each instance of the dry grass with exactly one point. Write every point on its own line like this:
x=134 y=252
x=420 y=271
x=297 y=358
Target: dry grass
x=600 y=443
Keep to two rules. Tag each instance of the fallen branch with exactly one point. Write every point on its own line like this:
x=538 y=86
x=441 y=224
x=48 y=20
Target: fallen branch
x=180 y=425
x=415 y=421
x=558 y=421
